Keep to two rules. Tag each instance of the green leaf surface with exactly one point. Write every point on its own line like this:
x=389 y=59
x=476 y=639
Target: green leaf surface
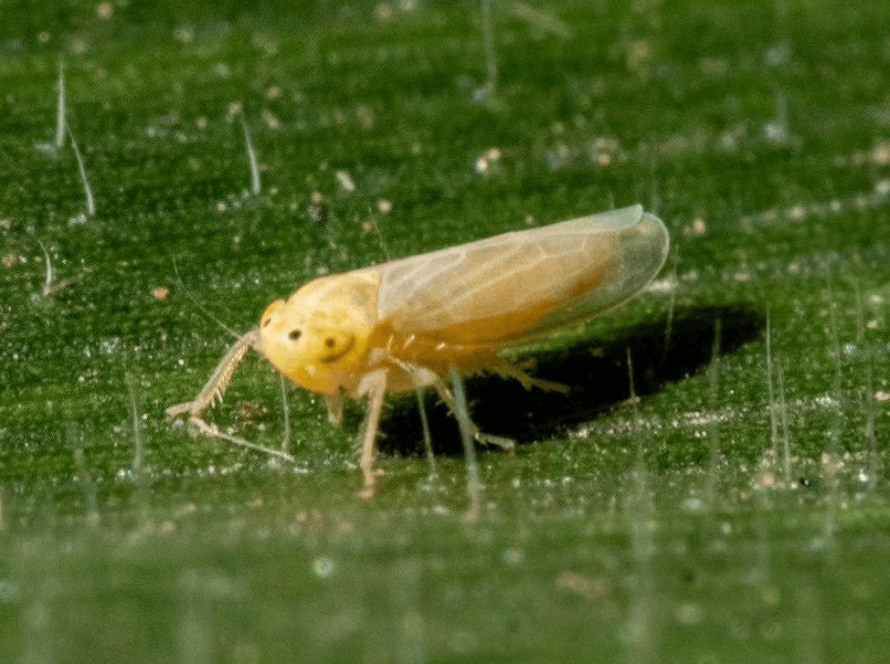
x=727 y=504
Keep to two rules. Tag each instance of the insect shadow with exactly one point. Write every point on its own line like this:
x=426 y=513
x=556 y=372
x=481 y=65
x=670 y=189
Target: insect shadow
x=594 y=370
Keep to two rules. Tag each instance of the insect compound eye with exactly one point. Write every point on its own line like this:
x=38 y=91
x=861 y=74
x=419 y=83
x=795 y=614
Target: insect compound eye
x=293 y=335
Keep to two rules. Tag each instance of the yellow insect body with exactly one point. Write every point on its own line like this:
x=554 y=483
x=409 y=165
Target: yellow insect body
x=403 y=325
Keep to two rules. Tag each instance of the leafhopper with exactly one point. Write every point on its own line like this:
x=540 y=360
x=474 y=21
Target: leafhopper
x=403 y=325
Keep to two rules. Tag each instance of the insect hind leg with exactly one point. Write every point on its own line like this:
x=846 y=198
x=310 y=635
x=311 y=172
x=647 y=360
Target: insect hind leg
x=445 y=394
x=423 y=377
x=518 y=371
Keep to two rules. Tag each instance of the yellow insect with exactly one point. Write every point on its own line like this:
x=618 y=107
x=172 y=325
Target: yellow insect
x=403 y=325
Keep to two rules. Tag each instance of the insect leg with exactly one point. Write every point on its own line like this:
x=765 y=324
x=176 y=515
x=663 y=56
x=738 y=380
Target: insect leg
x=214 y=389
x=216 y=386
x=446 y=396
x=423 y=377
x=427 y=436
x=212 y=431
x=335 y=408
x=511 y=370
x=474 y=486
x=372 y=385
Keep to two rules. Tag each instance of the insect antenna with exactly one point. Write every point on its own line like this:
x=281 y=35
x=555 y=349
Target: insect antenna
x=204 y=310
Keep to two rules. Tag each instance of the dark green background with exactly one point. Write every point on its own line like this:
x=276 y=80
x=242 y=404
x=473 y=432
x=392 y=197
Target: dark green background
x=665 y=531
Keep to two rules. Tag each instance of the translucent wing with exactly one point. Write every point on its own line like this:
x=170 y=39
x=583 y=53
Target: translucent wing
x=512 y=287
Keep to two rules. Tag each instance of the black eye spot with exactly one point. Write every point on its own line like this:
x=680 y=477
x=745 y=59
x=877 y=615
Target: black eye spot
x=294 y=335
x=329 y=342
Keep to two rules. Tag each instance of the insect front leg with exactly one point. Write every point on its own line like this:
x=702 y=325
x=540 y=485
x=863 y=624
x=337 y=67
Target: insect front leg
x=216 y=386
x=372 y=385
x=214 y=389
x=334 y=405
